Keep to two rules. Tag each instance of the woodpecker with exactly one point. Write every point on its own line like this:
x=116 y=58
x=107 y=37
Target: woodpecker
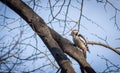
x=79 y=41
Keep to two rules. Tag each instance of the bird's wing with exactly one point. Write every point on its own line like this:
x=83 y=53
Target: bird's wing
x=82 y=39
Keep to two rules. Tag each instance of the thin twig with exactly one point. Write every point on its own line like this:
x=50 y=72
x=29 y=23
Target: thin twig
x=81 y=10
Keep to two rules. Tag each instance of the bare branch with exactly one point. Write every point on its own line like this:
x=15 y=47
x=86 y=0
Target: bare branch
x=66 y=15
x=81 y=10
x=104 y=45
x=39 y=26
x=52 y=9
x=110 y=67
x=104 y=39
x=115 y=14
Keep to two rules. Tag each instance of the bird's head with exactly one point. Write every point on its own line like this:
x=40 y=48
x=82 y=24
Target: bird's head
x=74 y=32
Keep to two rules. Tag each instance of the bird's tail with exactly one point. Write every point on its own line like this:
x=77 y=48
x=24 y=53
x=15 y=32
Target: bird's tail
x=88 y=50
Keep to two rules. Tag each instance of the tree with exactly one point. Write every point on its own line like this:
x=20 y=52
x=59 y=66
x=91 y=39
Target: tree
x=56 y=44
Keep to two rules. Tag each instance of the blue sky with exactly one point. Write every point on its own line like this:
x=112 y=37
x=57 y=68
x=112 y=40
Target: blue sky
x=93 y=10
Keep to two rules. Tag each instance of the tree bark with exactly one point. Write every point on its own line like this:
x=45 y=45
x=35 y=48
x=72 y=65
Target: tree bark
x=39 y=26
x=55 y=42
x=72 y=51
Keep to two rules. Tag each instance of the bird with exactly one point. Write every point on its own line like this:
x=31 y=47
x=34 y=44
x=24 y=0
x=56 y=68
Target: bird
x=79 y=41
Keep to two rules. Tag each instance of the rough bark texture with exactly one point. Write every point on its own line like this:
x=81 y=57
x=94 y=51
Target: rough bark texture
x=55 y=42
x=68 y=48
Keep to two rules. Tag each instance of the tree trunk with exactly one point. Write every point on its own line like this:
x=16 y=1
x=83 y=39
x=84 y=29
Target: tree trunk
x=56 y=44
